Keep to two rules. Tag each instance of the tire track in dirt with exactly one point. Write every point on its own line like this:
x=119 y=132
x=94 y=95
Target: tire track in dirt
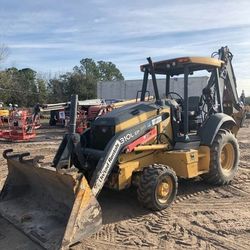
x=172 y=228
x=216 y=239
x=203 y=217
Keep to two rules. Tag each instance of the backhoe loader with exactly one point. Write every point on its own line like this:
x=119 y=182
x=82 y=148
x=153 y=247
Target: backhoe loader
x=147 y=144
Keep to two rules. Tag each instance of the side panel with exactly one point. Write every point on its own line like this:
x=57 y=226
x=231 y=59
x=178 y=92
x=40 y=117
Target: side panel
x=126 y=169
x=183 y=162
x=138 y=118
x=209 y=130
x=186 y=164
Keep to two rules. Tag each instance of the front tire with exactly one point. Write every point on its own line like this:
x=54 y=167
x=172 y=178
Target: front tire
x=224 y=159
x=157 y=187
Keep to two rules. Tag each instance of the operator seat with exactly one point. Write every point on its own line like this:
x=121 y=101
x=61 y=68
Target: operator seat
x=193 y=109
x=193 y=105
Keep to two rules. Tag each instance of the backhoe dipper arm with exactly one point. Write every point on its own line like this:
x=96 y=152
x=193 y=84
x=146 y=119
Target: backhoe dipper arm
x=222 y=86
x=228 y=76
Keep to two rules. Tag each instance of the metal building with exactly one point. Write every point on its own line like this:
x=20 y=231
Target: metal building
x=128 y=89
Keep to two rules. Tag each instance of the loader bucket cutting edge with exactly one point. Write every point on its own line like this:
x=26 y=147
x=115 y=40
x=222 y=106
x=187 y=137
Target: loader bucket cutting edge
x=54 y=209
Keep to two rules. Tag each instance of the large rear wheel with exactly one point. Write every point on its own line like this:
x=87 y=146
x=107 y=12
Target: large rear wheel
x=157 y=187
x=224 y=159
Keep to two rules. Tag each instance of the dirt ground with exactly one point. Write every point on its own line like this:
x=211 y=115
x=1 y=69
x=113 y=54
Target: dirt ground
x=203 y=216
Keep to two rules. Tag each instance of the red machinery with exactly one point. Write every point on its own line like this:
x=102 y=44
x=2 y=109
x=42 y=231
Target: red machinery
x=89 y=114
x=81 y=121
x=21 y=127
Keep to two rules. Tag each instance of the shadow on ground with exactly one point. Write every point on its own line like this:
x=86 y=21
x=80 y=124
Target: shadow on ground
x=123 y=205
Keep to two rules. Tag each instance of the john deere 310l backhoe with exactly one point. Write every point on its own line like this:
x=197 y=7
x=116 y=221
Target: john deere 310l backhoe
x=149 y=144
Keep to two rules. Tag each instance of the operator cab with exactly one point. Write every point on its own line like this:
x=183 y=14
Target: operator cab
x=188 y=112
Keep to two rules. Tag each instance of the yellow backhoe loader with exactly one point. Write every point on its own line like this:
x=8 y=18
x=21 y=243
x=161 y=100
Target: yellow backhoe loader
x=148 y=145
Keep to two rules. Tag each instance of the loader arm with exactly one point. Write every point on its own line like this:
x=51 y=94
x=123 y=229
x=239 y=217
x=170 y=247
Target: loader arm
x=114 y=148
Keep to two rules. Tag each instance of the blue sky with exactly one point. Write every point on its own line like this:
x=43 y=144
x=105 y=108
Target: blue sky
x=52 y=36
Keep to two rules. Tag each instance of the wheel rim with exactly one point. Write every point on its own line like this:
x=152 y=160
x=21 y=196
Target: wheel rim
x=164 y=189
x=227 y=157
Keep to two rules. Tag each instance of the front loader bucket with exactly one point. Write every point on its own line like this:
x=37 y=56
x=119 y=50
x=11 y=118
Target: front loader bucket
x=55 y=209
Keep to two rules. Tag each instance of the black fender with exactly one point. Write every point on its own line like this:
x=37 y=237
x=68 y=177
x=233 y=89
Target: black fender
x=212 y=125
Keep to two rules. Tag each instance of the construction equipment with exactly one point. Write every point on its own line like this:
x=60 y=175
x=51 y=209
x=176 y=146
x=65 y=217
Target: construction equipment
x=21 y=127
x=144 y=144
x=4 y=117
x=87 y=111
x=60 y=111
x=4 y=112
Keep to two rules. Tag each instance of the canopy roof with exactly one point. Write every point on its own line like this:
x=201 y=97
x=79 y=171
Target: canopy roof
x=176 y=66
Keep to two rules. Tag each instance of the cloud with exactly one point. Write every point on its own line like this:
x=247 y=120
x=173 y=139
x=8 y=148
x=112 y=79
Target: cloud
x=55 y=35
x=37 y=46
x=99 y=20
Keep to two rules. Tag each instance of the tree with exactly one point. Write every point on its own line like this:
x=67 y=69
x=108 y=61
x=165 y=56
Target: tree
x=56 y=91
x=25 y=88
x=108 y=71
x=13 y=90
x=5 y=86
x=22 y=87
x=27 y=82
x=42 y=90
x=83 y=80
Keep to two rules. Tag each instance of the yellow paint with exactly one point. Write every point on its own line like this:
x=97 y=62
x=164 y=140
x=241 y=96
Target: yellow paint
x=123 y=158
x=131 y=101
x=125 y=173
x=184 y=162
x=204 y=159
x=164 y=189
x=207 y=61
x=4 y=112
x=165 y=125
x=227 y=157
x=135 y=120
x=126 y=169
x=151 y=147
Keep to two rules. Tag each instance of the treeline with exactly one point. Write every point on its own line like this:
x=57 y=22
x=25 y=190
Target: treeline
x=26 y=88
x=22 y=87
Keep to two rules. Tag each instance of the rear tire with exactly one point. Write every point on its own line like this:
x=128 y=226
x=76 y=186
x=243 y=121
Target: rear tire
x=157 y=187
x=224 y=159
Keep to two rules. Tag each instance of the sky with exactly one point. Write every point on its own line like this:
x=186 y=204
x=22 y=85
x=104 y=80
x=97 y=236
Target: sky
x=52 y=36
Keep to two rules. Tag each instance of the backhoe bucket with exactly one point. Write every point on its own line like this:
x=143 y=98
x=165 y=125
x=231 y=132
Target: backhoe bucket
x=54 y=208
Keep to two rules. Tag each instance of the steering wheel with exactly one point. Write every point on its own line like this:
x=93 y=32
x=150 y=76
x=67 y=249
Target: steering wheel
x=174 y=93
